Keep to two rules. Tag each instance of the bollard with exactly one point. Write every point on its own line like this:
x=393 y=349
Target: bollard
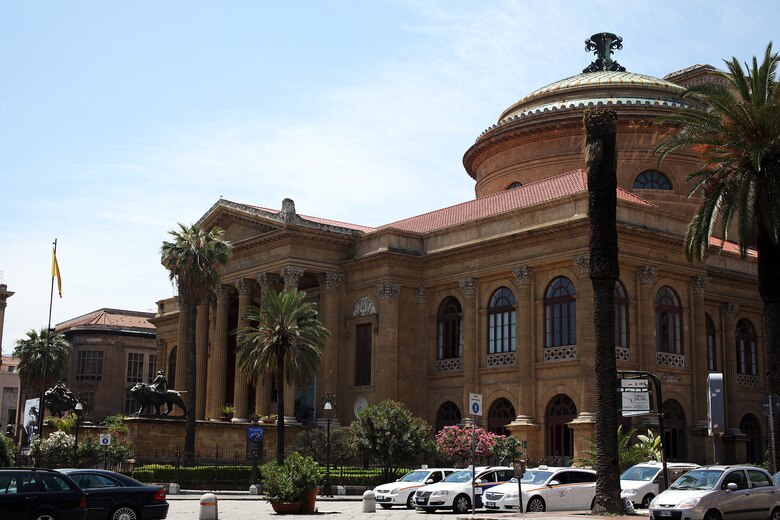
x=173 y=488
x=369 y=502
x=208 y=507
x=254 y=490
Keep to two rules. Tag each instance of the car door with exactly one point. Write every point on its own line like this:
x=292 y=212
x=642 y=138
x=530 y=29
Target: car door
x=13 y=495
x=583 y=489
x=763 y=493
x=735 y=505
x=559 y=492
x=100 y=498
x=486 y=481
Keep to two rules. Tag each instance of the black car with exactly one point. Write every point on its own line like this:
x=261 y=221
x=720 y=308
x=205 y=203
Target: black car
x=113 y=496
x=40 y=494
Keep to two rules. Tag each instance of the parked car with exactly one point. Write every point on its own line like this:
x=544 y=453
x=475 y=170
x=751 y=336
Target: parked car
x=719 y=493
x=641 y=483
x=40 y=494
x=401 y=492
x=776 y=478
x=113 y=496
x=546 y=489
x=455 y=491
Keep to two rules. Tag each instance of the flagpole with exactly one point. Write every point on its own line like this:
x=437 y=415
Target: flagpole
x=41 y=406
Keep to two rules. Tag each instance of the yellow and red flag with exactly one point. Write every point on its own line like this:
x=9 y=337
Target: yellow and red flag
x=55 y=271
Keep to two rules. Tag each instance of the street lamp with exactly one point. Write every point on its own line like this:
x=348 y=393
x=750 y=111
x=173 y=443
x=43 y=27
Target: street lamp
x=329 y=401
x=79 y=412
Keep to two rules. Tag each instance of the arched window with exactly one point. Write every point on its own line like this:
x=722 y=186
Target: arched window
x=449 y=344
x=502 y=322
x=500 y=414
x=674 y=431
x=560 y=323
x=652 y=180
x=172 y=368
x=668 y=321
x=712 y=360
x=621 y=316
x=448 y=415
x=750 y=426
x=747 y=364
x=514 y=185
x=560 y=438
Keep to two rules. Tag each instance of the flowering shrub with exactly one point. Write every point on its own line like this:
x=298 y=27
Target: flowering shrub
x=56 y=450
x=454 y=445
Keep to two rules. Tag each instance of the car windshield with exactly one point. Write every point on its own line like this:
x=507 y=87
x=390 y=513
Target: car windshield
x=535 y=476
x=459 y=476
x=639 y=473
x=414 y=476
x=698 y=479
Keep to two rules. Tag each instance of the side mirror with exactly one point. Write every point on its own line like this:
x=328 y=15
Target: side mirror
x=478 y=481
x=429 y=481
x=732 y=486
x=554 y=483
x=656 y=480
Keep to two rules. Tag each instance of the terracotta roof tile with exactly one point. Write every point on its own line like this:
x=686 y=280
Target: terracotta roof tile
x=320 y=220
x=731 y=247
x=530 y=194
x=110 y=318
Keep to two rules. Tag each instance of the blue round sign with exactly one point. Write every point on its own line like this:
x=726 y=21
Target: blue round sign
x=475 y=408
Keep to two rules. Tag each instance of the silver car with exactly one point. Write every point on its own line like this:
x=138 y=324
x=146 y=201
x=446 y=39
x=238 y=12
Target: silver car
x=719 y=493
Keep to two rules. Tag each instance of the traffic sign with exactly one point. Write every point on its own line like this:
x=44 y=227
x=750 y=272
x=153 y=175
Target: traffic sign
x=634 y=385
x=105 y=439
x=775 y=404
x=475 y=404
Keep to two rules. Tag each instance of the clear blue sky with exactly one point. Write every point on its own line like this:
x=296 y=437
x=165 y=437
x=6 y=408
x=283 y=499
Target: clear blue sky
x=120 y=119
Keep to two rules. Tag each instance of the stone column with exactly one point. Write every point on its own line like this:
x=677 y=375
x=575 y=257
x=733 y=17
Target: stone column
x=329 y=317
x=698 y=350
x=263 y=383
x=469 y=286
x=586 y=341
x=4 y=295
x=181 y=348
x=730 y=379
x=241 y=386
x=202 y=355
x=218 y=366
x=646 y=318
x=418 y=366
x=526 y=347
x=386 y=349
x=291 y=275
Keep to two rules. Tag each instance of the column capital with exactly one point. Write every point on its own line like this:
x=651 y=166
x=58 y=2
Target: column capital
x=583 y=264
x=647 y=274
x=422 y=295
x=245 y=286
x=730 y=309
x=223 y=293
x=699 y=283
x=523 y=275
x=291 y=274
x=468 y=285
x=330 y=280
x=266 y=280
x=389 y=291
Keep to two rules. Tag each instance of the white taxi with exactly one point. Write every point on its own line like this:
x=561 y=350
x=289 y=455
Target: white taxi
x=455 y=491
x=546 y=489
x=401 y=492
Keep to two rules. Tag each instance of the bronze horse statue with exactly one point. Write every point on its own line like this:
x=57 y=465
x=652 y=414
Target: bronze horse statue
x=148 y=396
x=59 y=400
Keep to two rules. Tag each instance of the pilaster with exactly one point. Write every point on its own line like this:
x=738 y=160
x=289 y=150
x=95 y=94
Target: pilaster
x=329 y=317
x=469 y=286
x=731 y=386
x=386 y=350
x=698 y=343
x=586 y=339
x=646 y=317
x=525 y=344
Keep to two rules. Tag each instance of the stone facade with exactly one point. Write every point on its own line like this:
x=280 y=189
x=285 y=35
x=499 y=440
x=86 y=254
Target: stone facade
x=493 y=296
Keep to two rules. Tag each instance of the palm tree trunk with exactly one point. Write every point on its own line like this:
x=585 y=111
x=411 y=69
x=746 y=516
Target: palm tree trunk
x=280 y=405
x=189 y=425
x=601 y=159
x=769 y=288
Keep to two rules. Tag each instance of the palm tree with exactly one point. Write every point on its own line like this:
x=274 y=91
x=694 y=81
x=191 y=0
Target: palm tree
x=193 y=260
x=737 y=134
x=31 y=352
x=601 y=161
x=285 y=339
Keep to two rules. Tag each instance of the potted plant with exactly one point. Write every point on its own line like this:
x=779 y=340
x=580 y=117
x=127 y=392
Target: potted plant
x=227 y=411
x=294 y=482
x=269 y=419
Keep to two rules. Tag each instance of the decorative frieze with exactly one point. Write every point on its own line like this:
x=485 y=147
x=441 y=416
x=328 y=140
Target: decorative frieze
x=450 y=365
x=671 y=378
x=647 y=274
x=560 y=353
x=331 y=280
x=389 y=291
x=245 y=287
x=422 y=295
x=583 y=265
x=501 y=359
x=365 y=306
x=468 y=285
x=291 y=274
x=730 y=309
x=523 y=275
x=699 y=284
x=669 y=359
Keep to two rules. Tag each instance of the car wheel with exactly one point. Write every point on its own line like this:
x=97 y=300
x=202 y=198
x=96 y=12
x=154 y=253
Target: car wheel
x=410 y=502
x=712 y=514
x=124 y=513
x=461 y=504
x=45 y=516
x=385 y=506
x=593 y=503
x=536 y=505
x=646 y=501
x=775 y=514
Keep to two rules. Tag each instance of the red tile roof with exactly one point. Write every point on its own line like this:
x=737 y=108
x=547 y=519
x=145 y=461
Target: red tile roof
x=111 y=319
x=731 y=247
x=320 y=220
x=527 y=195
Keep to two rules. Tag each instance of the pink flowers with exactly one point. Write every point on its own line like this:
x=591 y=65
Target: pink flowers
x=454 y=444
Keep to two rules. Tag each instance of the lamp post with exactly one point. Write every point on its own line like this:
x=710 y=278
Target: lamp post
x=329 y=401
x=79 y=412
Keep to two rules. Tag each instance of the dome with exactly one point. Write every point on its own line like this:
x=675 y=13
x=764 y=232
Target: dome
x=598 y=88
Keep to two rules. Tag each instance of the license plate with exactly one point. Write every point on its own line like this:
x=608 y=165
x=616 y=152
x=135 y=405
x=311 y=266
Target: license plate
x=490 y=504
x=664 y=513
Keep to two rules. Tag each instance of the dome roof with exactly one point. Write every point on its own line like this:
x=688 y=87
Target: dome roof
x=598 y=88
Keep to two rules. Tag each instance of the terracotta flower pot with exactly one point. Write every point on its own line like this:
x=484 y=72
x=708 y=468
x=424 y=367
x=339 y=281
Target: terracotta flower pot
x=286 y=508
x=309 y=501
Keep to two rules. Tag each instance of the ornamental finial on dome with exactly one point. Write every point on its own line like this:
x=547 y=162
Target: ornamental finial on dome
x=602 y=45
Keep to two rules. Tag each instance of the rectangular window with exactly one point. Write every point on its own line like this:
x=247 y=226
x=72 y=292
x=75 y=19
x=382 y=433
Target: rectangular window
x=89 y=400
x=89 y=365
x=135 y=367
x=152 y=368
x=363 y=355
x=131 y=404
